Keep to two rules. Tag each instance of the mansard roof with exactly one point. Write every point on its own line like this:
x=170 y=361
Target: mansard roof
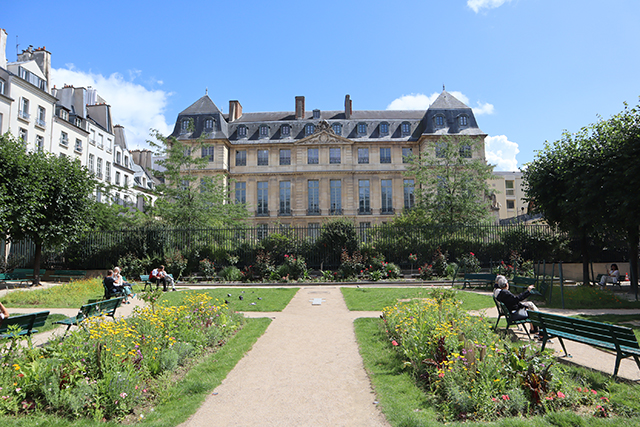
x=203 y=105
x=199 y=115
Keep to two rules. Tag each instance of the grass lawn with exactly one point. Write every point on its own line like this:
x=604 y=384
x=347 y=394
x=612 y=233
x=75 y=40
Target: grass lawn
x=66 y=295
x=588 y=297
x=185 y=396
x=375 y=299
x=406 y=405
x=253 y=299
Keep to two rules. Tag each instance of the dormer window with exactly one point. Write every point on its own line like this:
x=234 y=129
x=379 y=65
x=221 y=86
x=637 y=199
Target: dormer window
x=439 y=121
x=242 y=131
x=362 y=129
x=184 y=126
x=208 y=124
x=309 y=129
x=264 y=131
x=405 y=129
x=384 y=128
x=286 y=130
x=64 y=115
x=463 y=121
x=337 y=128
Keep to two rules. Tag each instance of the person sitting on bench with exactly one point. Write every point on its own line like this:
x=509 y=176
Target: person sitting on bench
x=121 y=284
x=159 y=276
x=514 y=303
x=612 y=277
x=110 y=283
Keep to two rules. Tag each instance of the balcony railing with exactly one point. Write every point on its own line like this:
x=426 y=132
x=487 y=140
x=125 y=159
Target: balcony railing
x=314 y=211
x=387 y=211
x=92 y=141
x=23 y=115
x=335 y=211
x=78 y=149
x=262 y=213
x=64 y=141
x=364 y=211
x=41 y=123
x=284 y=212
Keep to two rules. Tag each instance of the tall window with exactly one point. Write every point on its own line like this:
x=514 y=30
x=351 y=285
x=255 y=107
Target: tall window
x=335 y=156
x=64 y=138
x=337 y=128
x=117 y=178
x=241 y=158
x=510 y=187
x=207 y=152
x=92 y=160
x=285 y=198
x=408 y=194
x=463 y=120
x=241 y=192
x=263 y=157
x=39 y=143
x=439 y=121
x=24 y=108
x=78 y=146
x=407 y=152
x=118 y=158
x=285 y=157
x=42 y=117
x=387 y=196
x=336 y=197
x=2 y=85
x=385 y=155
x=107 y=171
x=22 y=134
x=263 y=198
x=312 y=156
x=364 y=197
x=184 y=126
x=314 y=230
x=99 y=168
x=314 y=197
x=465 y=151
x=363 y=155
x=440 y=149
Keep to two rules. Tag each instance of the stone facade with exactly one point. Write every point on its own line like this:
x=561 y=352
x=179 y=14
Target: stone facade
x=300 y=168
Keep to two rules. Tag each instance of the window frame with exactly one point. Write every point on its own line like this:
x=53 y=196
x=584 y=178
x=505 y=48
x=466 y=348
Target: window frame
x=313 y=156
x=285 y=160
x=362 y=159
x=285 y=198
x=313 y=197
x=364 y=197
x=385 y=159
x=241 y=159
x=263 y=158
x=333 y=159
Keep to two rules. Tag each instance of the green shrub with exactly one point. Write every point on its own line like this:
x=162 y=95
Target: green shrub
x=207 y=268
x=231 y=274
x=351 y=266
x=439 y=263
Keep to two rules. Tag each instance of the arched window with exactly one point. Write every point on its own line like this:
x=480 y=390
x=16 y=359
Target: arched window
x=264 y=131
x=337 y=128
x=286 y=130
x=463 y=120
x=309 y=129
x=209 y=124
x=405 y=128
x=362 y=129
x=384 y=128
x=242 y=131
x=439 y=121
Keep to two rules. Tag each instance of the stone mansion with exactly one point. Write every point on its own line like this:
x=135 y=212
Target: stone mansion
x=299 y=168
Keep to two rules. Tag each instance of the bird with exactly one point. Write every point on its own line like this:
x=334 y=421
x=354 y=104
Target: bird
x=228 y=295
x=240 y=297
x=253 y=303
x=259 y=298
x=226 y=302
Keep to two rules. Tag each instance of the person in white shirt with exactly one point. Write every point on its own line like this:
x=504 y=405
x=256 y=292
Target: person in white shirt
x=613 y=276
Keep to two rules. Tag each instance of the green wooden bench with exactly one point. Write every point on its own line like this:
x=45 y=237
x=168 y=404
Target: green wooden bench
x=144 y=278
x=70 y=275
x=26 y=322
x=108 y=294
x=19 y=276
x=480 y=279
x=520 y=284
x=503 y=311
x=96 y=309
x=620 y=339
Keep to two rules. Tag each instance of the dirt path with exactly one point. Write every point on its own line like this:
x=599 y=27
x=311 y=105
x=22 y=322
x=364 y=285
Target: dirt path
x=304 y=371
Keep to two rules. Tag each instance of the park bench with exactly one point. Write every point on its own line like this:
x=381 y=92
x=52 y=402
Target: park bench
x=68 y=274
x=19 y=276
x=620 y=339
x=480 y=279
x=96 y=309
x=108 y=294
x=26 y=322
x=520 y=284
x=144 y=278
x=618 y=282
x=503 y=311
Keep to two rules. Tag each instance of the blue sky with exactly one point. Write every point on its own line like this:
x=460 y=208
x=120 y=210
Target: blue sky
x=529 y=68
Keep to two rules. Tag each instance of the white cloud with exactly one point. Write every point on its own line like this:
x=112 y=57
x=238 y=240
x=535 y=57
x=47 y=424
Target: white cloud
x=133 y=106
x=477 y=5
x=419 y=101
x=501 y=152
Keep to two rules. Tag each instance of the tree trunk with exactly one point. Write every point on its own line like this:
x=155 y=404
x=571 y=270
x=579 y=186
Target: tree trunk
x=584 y=249
x=36 y=263
x=634 y=239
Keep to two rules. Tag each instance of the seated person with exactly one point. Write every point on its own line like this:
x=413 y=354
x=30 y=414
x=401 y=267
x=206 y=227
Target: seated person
x=122 y=285
x=159 y=275
x=110 y=283
x=514 y=302
x=613 y=276
x=4 y=313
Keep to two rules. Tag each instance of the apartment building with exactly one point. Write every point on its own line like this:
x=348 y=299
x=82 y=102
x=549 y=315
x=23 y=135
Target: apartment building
x=508 y=197
x=300 y=168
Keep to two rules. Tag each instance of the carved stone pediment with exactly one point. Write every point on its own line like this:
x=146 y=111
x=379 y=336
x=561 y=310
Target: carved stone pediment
x=323 y=137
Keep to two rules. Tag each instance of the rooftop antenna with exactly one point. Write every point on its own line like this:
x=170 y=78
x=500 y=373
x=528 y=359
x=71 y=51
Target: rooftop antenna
x=206 y=91
x=17 y=51
x=443 y=87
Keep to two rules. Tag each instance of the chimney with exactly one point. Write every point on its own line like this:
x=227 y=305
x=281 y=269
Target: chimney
x=235 y=111
x=43 y=59
x=3 y=48
x=348 y=108
x=142 y=158
x=299 y=107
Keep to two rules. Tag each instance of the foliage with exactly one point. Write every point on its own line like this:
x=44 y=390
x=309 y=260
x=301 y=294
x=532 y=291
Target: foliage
x=426 y=272
x=106 y=368
x=231 y=273
x=188 y=197
x=338 y=236
x=44 y=197
x=351 y=266
x=469 y=373
x=260 y=269
x=439 y=263
x=451 y=185
x=131 y=266
x=468 y=263
x=208 y=268
x=293 y=267
x=175 y=263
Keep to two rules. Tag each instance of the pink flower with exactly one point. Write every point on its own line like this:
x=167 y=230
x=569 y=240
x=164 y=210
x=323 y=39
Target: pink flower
x=494 y=399
x=561 y=395
x=394 y=342
x=505 y=397
x=594 y=392
x=441 y=374
x=472 y=254
x=549 y=398
x=123 y=395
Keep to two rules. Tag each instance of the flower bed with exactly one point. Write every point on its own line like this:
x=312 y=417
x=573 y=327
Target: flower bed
x=106 y=368
x=470 y=374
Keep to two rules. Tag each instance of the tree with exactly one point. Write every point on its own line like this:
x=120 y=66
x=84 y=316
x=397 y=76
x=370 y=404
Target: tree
x=562 y=184
x=45 y=198
x=189 y=198
x=451 y=185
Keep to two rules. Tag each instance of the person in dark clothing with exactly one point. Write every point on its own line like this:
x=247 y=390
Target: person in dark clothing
x=514 y=302
x=110 y=282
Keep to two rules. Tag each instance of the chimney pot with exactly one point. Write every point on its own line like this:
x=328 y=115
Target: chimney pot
x=347 y=107
x=299 y=107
